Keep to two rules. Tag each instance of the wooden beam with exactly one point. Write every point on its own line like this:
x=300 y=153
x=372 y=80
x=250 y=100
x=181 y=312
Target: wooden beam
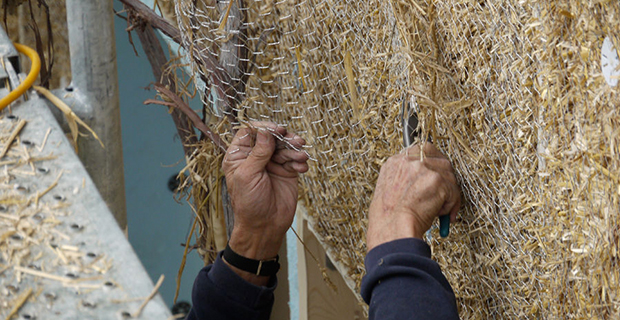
x=154 y=19
x=317 y=300
x=281 y=309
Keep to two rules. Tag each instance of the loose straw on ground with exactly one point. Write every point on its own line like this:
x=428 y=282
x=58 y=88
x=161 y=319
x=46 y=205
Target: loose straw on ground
x=48 y=189
x=43 y=275
x=12 y=137
x=47 y=134
x=149 y=297
x=19 y=303
x=72 y=119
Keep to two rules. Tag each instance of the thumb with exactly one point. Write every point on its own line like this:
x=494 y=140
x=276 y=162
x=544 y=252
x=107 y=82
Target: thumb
x=262 y=151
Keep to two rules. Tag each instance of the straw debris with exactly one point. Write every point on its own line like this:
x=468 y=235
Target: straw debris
x=33 y=240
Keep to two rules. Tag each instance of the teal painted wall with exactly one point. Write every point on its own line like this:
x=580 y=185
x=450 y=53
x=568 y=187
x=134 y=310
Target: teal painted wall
x=152 y=154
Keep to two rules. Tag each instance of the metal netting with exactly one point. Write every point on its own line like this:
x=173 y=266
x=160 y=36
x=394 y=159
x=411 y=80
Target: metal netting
x=297 y=64
x=511 y=91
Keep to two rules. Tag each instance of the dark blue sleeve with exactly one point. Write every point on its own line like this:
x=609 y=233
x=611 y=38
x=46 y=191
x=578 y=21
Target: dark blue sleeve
x=220 y=294
x=403 y=282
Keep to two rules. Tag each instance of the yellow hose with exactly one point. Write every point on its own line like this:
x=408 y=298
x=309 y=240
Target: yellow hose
x=27 y=83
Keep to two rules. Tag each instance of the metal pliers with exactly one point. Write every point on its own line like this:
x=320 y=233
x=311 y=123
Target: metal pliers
x=411 y=131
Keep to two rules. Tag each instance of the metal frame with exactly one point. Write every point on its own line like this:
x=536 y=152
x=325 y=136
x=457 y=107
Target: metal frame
x=10 y=61
x=93 y=96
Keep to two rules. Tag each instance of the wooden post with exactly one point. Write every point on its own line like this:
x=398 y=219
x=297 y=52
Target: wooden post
x=281 y=310
x=317 y=301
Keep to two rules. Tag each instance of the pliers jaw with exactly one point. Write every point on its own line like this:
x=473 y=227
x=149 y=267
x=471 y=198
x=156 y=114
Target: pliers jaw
x=409 y=119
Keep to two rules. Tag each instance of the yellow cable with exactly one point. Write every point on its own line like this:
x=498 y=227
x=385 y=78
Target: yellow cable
x=27 y=83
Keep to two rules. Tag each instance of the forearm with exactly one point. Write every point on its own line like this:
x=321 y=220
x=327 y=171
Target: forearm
x=262 y=182
x=403 y=282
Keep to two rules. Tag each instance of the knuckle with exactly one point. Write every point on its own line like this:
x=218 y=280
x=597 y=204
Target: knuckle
x=240 y=174
x=261 y=152
x=243 y=132
x=444 y=162
x=429 y=146
x=390 y=162
x=419 y=166
x=452 y=178
x=393 y=158
x=415 y=148
x=435 y=180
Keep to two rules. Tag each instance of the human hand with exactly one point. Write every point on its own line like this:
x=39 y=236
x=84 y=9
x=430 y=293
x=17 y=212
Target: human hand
x=262 y=182
x=410 y=193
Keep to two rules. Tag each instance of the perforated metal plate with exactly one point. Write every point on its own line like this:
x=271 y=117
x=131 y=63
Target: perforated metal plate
x=63 y=244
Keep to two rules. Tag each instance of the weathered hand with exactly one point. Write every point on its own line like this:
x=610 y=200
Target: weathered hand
x=262 y=181
x=410 y=194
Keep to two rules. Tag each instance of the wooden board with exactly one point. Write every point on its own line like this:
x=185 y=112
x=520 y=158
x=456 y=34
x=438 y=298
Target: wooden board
x=281 y=310
x=317 y=300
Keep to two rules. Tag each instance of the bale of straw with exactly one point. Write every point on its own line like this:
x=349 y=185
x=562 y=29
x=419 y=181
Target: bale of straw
x=513 y=92
x=510 y=90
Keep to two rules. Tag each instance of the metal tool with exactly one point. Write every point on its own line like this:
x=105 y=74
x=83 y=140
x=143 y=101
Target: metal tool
x=410 y=133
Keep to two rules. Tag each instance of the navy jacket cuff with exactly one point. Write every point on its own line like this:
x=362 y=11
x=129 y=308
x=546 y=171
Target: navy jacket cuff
x=408 y=246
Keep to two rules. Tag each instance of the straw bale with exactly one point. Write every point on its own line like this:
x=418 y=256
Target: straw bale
x=511 y=91
x=521 y=108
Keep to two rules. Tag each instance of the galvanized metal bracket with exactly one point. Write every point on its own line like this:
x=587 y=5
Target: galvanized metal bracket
x=9 y=64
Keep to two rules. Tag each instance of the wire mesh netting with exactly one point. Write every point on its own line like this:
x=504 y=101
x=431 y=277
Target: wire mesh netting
x=511 y=91
x=274 y=67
